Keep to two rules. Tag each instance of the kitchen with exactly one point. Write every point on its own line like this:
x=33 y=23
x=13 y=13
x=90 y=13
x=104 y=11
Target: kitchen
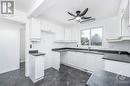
x=59 y=52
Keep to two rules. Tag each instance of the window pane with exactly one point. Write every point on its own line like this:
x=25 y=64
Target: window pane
x=96 y=37
x=85 y=37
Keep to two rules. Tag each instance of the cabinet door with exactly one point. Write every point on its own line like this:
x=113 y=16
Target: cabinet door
x=60 y=34
x=75 y=34
x=35 y=29
x=68 y=34
x=125 y=23
x=95 y=62
x=77 y=59
x=123 y=5
x=65 y=58
x=32 y=67
x=81 y=60
x=129 y=10
x=113 y=26
x=56 y=60
x=39 y=67
x=84 y=61
x=45 y=27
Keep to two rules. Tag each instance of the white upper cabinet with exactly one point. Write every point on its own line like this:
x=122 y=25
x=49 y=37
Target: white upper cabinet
x=65 y=36
x=125 y=23
x=46 y=28
x=129 y=11
x=120 y=26
x=123 y=6
x=59 y=35
x=113 y=26
x=35 y=29
x=68 y=36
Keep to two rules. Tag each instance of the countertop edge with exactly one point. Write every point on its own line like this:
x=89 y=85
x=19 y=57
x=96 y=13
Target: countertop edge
x=115 y=60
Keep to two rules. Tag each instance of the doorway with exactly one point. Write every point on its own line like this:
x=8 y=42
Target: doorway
x=22 y=47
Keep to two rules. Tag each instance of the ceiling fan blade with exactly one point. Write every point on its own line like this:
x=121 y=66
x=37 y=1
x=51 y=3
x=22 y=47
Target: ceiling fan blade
x=84 y=12
x=71 y=14
x=92 y=19
x=71 y=19
x=86 y=17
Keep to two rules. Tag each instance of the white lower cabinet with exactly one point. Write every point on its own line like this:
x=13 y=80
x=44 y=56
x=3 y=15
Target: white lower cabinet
x=121 y=68
x=56 y=60
x=36 y=70
x=94 y=62
x=83 y=61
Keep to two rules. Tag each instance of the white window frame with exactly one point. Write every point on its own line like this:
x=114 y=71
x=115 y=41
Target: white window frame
x=91 y=35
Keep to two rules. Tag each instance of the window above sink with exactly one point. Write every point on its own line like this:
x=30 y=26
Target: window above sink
x=91 y=36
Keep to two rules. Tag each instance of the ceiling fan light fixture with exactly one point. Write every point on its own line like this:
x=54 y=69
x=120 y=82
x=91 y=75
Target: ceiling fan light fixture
x=78 y=19
x=80 y=16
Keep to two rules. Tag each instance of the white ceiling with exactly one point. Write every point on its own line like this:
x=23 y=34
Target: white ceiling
x=24 y=5
x=100 y=9
x=56 y=10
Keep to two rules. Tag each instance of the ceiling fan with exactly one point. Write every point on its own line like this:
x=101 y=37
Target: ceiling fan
x=80 y=16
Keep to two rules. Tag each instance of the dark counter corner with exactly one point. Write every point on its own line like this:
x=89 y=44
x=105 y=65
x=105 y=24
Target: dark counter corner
x=36 y=53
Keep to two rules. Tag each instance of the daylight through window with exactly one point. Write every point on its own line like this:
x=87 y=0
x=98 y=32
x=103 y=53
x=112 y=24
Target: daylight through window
x=92 y=37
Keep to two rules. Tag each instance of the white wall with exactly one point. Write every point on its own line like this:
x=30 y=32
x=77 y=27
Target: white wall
x=22 y=44
x=21 y=17
x=9 y=45
x=109 y=29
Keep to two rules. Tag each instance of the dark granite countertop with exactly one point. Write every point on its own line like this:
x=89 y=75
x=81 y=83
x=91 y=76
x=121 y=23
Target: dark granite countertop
x=77 y=50
x=85 y=49
x=104 y=78
x=108 y=54
x=117 y=57
x=36 y=53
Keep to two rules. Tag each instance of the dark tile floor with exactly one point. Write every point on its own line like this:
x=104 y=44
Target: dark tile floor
x=67 y=76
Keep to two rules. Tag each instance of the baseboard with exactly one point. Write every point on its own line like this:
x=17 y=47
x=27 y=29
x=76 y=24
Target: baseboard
x=9 y=70
x=79 y=68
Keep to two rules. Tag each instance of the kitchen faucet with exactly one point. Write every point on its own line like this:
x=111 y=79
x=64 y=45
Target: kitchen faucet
x=89 y=48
